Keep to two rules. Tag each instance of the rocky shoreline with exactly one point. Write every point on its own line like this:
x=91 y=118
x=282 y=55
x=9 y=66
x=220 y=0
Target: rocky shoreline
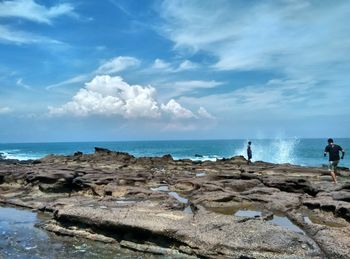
x=184 y=208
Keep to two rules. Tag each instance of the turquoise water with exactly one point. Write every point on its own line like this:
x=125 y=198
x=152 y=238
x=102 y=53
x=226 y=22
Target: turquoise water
x=294 y=151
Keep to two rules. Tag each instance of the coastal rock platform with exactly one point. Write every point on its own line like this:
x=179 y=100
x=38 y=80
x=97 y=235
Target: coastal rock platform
x=184 y=208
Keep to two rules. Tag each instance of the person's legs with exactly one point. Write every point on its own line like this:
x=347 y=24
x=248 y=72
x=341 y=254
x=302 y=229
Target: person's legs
x=334 y=176
x=249 y=160
x=333 y=170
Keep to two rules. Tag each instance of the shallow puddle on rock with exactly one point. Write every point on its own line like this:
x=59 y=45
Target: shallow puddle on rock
x=178 y=197
x=248 y=213
x=161 y=188
x=324 y=218
x=165 y=188
x=200 y=174
x=286 y=223
x=188 y=210
x=281 y=221
x=256 y=211
x=125 y=202
x=232 y=208
x=19 y=238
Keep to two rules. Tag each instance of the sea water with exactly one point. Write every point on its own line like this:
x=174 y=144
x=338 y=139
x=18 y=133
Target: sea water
x=307 y=152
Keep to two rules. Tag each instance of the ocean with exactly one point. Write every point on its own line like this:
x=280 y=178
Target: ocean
x=306 y=152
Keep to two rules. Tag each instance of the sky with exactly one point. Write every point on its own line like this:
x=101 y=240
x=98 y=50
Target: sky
x=88 y=70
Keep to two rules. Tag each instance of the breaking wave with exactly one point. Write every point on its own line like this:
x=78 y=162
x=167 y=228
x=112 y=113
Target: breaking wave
x=275 y=151
x=18 y=154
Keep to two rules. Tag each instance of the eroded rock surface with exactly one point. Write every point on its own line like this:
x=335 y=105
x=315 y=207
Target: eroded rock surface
x=183 y=208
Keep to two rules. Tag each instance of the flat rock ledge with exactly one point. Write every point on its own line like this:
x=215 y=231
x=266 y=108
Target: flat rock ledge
x=184 y=208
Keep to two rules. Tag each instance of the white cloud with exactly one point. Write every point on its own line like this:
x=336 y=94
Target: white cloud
x=112 y=66
x=161 y=64
x=117 y=64
x=194 y=84
x=295 y=37
x=20 y=82
x=177 y=88
x=4 y=110
x=72 y=80
x=30 y=10
x=276 y=98
x=187 y=65
x=112 y=96
x=306 y=43
x=202 y=112
x=106 y=95
x=176 y=110
x=10 y=35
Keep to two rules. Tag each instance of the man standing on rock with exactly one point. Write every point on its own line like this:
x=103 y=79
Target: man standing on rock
x=249 y=152
x=334 y=157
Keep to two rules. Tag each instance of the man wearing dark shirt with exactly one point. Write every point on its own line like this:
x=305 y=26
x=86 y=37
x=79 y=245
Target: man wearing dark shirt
x=334 y=157
x=249 y=152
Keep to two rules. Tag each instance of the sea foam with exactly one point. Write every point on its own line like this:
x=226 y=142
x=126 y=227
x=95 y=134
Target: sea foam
x=275 y=151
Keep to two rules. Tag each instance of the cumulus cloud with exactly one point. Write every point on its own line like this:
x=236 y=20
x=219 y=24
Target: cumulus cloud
x=112 y=96
x=106 y=95
x=117 y=64
x=176 y=110
x=32 y=11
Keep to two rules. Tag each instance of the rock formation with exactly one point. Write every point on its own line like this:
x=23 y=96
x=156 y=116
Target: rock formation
x=184 y=208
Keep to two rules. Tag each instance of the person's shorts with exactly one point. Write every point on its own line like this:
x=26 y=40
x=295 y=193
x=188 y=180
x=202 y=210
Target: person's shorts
x=333 y=165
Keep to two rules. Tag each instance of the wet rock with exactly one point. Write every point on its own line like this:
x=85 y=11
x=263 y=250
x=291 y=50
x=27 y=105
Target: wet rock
x=204 y=234
x=114 y=195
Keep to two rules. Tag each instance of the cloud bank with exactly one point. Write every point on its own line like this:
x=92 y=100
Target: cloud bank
x=111 y=96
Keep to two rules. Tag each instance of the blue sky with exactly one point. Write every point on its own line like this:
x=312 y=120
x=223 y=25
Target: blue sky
x=172 y=69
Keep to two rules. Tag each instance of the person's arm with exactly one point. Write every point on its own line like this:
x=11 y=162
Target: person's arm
x=343 y=153
x=325 y=151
